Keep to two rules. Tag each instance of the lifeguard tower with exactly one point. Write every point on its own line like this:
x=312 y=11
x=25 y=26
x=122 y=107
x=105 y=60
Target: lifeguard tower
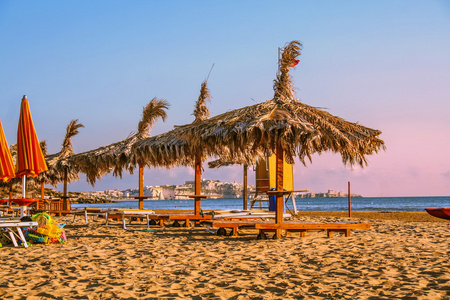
x=265 y=180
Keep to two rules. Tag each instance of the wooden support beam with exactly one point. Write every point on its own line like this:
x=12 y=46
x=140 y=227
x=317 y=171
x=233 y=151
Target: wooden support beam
x=65 y=197
x=245 y=192
x=198 y=178
x=279 y=185
x=141 y=187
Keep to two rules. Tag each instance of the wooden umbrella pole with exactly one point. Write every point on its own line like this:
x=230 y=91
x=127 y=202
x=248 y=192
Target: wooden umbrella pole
x=42 y=189
x=279 y=184
x=40 y=203
x=349 y=201
x=141 y=187
x=197 y=189
x=10 y=194
x=245 y=194
x=65 y=196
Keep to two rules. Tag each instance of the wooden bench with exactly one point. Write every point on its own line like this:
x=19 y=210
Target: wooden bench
x=187 y=218
x=128 y=213
x=87 y=212
x=303 y=227
x=158 y=219
x=237 y=220
x=233 y=224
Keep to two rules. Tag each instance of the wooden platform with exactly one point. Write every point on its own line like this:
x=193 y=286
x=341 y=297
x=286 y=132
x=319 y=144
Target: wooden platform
x=233 y=224
x=303 y=227
x=187 y=218
x=287 y=227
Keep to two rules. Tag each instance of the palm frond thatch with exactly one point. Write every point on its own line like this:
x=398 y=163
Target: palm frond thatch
x=154 y=110
x=57 y=165
x=168 y=149
x=201 y=111
x=119 y=156
x=300 y=129
x=71 y=131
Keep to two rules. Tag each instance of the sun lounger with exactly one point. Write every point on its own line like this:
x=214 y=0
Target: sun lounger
x=10 y=225
x=303 y=227
x=187 y=218
x=233 y=224
x=86 y=212
x=128 y=213
x=248 y=215
x=288 y=227
x=14 y=210
x=239 y=220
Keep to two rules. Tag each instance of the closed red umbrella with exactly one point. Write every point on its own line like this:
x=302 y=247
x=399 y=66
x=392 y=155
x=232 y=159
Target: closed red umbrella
x=6 y=161
x=30 y=160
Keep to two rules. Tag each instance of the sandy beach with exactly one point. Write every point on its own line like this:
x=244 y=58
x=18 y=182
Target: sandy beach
x=402 y=256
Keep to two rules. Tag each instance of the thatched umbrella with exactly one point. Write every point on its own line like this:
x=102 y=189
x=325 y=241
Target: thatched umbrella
x=284 y=126
x=168 y=150
x=119 y=156
x=58 y=169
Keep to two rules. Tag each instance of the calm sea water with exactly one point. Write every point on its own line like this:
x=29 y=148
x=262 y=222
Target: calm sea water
x=307 y=204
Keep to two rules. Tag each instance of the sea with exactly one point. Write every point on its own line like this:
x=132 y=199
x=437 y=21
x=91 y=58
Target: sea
x=302 y=204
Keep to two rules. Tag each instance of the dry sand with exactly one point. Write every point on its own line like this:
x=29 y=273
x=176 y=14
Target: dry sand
x=395 y=259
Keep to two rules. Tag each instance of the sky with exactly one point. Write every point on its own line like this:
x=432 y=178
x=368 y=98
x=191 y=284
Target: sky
x=384 y=64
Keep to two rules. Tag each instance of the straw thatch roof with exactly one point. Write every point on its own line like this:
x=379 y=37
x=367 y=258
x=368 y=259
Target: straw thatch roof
x=168 y=149
x=57 y=165
x=300 y=129
x=119 y=156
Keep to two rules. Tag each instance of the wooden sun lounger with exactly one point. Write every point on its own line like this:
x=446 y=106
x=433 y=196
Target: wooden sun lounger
x=303 y=227
x=9 y=225
x=237 y=220
x=289 y=227
x=248 y=216
x=10 y=209
x=233 y=224
x=128 y=213
x=187 y=218
x=87 y=212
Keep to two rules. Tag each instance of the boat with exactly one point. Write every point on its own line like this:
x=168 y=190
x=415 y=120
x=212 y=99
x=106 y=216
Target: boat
x=443 y=213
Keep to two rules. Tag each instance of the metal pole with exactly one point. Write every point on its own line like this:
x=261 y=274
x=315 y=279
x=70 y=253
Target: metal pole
x=349 y=201
x=24 y=182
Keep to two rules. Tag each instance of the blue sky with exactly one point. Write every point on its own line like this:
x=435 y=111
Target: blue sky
x=384 y=64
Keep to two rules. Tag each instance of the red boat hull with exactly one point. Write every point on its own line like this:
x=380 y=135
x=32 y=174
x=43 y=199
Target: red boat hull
x=443 y=213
